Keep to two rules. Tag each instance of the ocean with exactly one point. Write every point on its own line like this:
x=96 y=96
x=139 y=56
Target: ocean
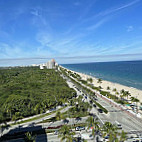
x=128 y=73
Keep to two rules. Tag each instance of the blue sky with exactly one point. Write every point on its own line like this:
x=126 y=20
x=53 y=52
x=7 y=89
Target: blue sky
x=70 y=28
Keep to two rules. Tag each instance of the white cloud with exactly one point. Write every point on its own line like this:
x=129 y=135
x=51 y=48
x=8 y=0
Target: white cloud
x=98 y=24
x=36 y=11
x=77 y=3
x=109 y=11
x=130 y=28
x=44 y=39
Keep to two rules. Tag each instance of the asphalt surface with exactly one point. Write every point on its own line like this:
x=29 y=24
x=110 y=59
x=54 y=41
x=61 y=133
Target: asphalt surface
x=18 y=127
x=128 y=122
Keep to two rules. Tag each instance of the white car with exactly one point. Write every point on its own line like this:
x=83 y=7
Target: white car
x=118 y=125
x=87 y=136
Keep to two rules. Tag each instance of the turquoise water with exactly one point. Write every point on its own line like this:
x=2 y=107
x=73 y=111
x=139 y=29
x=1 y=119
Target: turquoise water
x=127 y=73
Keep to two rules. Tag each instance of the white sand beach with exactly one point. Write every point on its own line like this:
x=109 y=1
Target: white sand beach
x=133 y=91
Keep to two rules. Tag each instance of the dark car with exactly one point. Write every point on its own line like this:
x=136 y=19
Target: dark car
x=94 y=105
x=100 y=110
x=52 y=109
x=78 y=139
x=91 y=114
x=78 y=118
x=65 y=121
x=95 y=98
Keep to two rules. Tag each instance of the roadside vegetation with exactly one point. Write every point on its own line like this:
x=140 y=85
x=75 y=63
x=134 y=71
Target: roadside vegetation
x=81 y=109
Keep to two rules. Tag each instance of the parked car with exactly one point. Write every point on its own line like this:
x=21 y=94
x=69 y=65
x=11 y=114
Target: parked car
x=65 y=121
x=106 y=138
x=79 y=128
x=78 y=139
x=56 y=132
x=52 y=109
x=91 y=136
x=78 y=118
x=118 y=125
x=100 y=110
x=94 y=105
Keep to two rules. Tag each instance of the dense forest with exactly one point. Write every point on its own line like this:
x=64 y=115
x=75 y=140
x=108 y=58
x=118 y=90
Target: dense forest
x=25 y=91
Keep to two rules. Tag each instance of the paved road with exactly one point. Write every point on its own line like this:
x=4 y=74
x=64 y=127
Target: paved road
x=128 y=122
x=31 y=123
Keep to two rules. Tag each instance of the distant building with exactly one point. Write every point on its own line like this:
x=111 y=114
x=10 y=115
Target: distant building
x=49 y=65
x=41 y=67
x=34 y=65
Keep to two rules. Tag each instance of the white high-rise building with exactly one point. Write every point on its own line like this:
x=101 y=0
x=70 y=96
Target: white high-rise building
x=49 y=65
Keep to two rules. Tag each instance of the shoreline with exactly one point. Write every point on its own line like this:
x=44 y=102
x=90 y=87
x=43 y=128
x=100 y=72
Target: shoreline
x=133 y=91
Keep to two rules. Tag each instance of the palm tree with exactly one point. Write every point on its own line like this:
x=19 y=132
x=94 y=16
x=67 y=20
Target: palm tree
x=111 y=130
x=116 y=93
x=123 y=136
x=58 y=116
x=126 y=94
x=106 y=128
x=133 y=99
x=122 y=91
x=96 y=125
x=90 y=121
x=90 y=80
x=71 y=102
x=108 y=88
x=29 y=137
x=114 y=89
x=80 y=98
x=99 y=80
x=93 y=123
x=90 y=124
x=66 y=134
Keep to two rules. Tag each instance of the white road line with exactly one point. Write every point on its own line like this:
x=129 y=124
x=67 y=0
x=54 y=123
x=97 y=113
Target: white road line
x=100 y=119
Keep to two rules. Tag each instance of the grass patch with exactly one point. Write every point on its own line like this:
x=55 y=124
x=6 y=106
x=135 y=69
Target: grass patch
x=67 y=115
x=101 y=107
x=38 y=117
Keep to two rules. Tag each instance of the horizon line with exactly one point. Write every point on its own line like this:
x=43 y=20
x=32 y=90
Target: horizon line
x=72 y=57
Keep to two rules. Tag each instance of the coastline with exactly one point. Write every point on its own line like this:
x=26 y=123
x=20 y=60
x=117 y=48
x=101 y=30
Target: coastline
x=133 y=91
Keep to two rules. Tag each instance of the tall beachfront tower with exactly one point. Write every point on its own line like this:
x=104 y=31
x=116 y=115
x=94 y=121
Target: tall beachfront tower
x=49 y=65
